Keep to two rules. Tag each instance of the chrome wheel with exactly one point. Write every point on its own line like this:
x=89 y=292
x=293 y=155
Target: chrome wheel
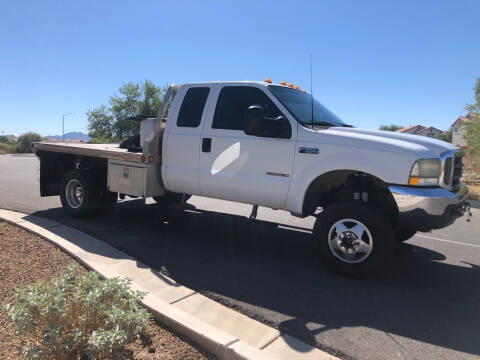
x=350 y=241
x=74 y=193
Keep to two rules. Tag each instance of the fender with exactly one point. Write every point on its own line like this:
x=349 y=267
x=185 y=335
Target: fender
x=383 y=160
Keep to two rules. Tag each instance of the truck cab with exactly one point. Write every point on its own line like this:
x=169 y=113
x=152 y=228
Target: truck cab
x=276 y=146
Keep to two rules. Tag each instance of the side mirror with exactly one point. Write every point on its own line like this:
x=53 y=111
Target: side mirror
x=253 y=120
x=282 y=128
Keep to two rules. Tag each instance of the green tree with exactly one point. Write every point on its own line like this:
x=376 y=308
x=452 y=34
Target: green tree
x=472 y=133
x=100 y=124
x=446 y=136
x=391 y=127
x=4 y=139
x=25 y=140
x=107 y=124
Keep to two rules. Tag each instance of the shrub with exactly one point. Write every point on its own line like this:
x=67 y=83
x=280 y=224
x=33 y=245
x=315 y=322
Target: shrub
x=3 y=148
x=4 y=139
x=13 y=148
x=76 y=316
x=25 y=140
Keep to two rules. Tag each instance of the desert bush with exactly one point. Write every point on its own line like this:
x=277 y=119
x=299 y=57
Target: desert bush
x=25 y=140
x=77 y=316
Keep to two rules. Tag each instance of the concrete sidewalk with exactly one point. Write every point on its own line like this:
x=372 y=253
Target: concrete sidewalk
x=220 y=330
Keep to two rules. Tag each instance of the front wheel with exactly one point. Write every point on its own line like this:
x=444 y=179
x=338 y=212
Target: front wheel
x=354 y=239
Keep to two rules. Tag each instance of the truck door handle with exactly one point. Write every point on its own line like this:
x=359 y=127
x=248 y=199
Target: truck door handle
x=206 y=144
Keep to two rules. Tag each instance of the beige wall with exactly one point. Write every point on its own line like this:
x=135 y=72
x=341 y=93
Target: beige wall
x=457 y=135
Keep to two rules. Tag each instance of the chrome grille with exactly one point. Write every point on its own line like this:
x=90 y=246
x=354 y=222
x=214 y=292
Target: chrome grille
x=457 y=171
x=447 y=179
x=451 y=169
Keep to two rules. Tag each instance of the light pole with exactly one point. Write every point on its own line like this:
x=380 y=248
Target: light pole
x=63 y=125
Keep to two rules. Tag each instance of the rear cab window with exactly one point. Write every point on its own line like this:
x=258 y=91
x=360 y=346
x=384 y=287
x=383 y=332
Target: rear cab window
x=191 y=111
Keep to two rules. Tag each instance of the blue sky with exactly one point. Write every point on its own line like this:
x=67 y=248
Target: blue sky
x=374 y=62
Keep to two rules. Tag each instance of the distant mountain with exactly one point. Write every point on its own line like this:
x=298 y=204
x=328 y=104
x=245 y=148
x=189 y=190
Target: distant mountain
x=76 y=135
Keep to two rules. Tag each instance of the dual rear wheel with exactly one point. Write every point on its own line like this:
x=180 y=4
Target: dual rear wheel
x=82 y=195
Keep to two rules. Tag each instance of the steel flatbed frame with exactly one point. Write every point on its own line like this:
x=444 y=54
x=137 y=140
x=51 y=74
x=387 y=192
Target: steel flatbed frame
x=103 y=151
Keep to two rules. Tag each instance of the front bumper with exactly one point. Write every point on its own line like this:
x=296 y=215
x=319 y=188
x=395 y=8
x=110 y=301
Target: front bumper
x=425 y=209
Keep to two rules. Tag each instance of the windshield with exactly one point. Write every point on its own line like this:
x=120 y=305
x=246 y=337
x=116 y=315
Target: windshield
x=300 y=105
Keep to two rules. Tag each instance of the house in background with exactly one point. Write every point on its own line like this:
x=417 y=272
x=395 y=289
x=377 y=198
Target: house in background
x=430 y=132
x=458 y=131
x=411 y=129
x=421 y=130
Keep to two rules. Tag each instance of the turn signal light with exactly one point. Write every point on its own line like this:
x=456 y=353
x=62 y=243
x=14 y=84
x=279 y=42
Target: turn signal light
x=268 y=80
x=143 y=158
x=150 y=158
x=414 y=181
x=283 y=83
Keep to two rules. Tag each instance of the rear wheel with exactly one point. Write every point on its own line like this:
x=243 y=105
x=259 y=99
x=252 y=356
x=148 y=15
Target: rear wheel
x=170 y=198
x=107 y=201
x=403 y=234
x=354 y=239
x=79 y=194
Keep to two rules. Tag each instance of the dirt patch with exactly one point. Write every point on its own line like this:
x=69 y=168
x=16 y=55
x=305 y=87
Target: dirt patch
x=26 y=258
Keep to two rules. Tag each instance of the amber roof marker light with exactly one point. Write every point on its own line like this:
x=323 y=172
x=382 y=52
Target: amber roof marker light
x=284 y=83
x=268 y=80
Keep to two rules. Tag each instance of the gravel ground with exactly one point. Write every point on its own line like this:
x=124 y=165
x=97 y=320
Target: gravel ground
x=26 y=258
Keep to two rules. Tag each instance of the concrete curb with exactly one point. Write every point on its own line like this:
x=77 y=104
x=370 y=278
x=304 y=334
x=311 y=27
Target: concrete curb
x=218 y=329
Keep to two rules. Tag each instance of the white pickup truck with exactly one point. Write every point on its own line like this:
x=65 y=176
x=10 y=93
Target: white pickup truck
x=271 y=145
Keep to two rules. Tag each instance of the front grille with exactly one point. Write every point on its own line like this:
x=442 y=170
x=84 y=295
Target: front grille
x=452 y=171
x=457 y=171
x=447 y=177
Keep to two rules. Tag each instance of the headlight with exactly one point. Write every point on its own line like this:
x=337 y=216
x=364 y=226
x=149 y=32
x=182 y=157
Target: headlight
x=425 y=172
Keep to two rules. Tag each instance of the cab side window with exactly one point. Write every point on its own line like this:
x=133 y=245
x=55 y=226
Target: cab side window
x=191 y=111
x=233 y=102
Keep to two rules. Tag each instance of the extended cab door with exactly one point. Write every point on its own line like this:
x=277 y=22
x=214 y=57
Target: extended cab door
x=182 y=139
x=240 y=167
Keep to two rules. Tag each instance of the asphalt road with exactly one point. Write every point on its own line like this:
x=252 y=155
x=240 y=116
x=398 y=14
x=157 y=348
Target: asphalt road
x=426 y=307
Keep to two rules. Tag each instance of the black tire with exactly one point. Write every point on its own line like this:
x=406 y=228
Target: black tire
x=345 y=257
x=403 y=234
x=84 y=205
x=170 y=198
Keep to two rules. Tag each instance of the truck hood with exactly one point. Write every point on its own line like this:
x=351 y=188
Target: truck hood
x=384 y=154
x=422 y=145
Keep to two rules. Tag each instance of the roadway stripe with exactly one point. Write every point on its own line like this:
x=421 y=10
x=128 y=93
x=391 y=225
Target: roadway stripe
x=448 y=241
